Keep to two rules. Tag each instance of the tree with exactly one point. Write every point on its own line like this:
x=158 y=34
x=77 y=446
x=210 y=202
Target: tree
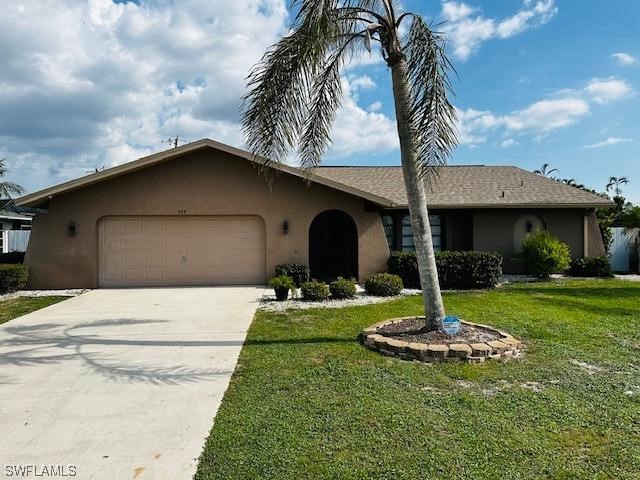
x=8 y=189
x=615 y=184
x=296 y=90
x=545 y=171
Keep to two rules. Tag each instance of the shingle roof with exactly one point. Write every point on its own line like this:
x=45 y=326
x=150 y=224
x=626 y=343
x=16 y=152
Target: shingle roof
x=468 y=186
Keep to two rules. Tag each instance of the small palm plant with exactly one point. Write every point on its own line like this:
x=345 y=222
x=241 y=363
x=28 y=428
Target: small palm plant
x=296 y=90
x=8 y=189
x=545 y=171
x=615 y=184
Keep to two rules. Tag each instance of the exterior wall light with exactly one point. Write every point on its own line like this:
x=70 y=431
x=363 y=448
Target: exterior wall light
x=285 y=227
x=529 y=226
x=71 y=229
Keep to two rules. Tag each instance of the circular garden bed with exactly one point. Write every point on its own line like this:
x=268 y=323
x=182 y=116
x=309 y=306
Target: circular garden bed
x=405 y=338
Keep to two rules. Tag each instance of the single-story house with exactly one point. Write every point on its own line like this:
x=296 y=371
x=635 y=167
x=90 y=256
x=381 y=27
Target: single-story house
x=14 y=228
x=201 y=214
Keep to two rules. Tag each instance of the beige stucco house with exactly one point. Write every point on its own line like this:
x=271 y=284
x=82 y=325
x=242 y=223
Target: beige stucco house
x=202 y=214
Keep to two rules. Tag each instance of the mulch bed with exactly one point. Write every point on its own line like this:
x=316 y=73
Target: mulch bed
x=412 y=330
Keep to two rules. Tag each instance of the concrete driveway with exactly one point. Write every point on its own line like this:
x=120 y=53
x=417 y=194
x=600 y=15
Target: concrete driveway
x=119 y=383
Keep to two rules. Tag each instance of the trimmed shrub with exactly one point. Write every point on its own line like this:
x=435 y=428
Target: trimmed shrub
x=342 y=288
x=383 y=285
x=405 y=265
x=314 y=291
x=281 y=285
x=543 y=254
x=456 y=270
x=298 y=271
x=468 y=270
x=591 y=267
x=13 y=277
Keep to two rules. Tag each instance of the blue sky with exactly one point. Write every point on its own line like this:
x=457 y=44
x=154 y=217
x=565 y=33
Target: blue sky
x=553 y=61
x=94 y=83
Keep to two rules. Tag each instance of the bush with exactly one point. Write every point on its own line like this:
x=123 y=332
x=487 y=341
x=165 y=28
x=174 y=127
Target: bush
x=591 y=267
x=281 y=285
x=405 y=265
x=465 y=270
x=543 y=254
x=314 y=291
x=13 y=277
x=459 y=270
x=383 y=285
x=12 y=257
x=342 y=288
x=298 y=271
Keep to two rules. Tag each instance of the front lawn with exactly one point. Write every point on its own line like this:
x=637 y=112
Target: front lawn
x=307 y=401
x=18 y=306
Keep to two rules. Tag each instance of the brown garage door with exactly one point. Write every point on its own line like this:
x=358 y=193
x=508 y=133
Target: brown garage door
x=157 y=251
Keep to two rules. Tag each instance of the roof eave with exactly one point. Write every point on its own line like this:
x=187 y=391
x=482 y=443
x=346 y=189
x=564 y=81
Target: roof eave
x=40 y=196
x=436 y=206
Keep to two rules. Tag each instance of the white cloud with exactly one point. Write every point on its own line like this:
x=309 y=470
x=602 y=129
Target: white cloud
x=361 y=82
x=358 y=131
x=87 y=84
x=509 y=142
x=604 y=90
x=608 y=141
x=467 y=29
x=546 y=115
x=375 y=107
x=624 y=59
x=561 y=109
x=454 y=11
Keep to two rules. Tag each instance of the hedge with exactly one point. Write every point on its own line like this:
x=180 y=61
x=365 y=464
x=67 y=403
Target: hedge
x=456 y=270
x=383 y=285
x=298 y=271
x=591 y=267
x=13 y=277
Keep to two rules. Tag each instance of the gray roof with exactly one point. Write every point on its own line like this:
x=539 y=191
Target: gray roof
x=469 y=186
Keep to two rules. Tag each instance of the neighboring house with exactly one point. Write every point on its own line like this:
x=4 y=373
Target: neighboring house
x=202 y=214
x=16 y=228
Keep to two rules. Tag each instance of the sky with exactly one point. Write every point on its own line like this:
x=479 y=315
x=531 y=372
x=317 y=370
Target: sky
x=87 y=84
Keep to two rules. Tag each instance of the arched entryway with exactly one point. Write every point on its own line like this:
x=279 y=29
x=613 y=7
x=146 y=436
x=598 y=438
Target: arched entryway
x=333 y=246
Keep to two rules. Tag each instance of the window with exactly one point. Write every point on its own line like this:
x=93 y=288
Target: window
x=436 y=233
x=387 y=223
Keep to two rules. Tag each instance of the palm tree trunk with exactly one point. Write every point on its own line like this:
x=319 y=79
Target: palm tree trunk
x=417 y=199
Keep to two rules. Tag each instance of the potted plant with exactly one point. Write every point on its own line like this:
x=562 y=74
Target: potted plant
x=281 y=285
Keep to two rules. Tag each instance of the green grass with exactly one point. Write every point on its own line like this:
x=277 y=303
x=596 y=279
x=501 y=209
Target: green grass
x=16 y=307
x=307 y=401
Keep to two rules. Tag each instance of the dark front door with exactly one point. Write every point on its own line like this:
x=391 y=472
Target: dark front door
x=333 y=246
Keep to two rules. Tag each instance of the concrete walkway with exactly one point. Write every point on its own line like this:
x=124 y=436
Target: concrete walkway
x=120 y=384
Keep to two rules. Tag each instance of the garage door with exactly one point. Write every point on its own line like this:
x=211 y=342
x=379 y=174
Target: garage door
x=157 y=251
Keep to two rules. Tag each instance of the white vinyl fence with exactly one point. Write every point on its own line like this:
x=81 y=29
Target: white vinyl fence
x=15 y=240
x=624 y=249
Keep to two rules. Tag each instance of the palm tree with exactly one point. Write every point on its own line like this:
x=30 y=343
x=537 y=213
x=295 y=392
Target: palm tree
x=8 y=189
x=615 y=183
x=544 y=170
x=296 y=90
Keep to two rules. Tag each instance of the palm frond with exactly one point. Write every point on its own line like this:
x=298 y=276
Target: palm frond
x=10 y=189
x=433 y=117
x=295 y=90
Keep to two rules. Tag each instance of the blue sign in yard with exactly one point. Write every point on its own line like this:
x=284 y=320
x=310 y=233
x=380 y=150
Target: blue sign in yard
x=451 y=325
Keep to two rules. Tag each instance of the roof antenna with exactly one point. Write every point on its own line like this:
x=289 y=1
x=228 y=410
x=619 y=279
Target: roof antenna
x=174 y=141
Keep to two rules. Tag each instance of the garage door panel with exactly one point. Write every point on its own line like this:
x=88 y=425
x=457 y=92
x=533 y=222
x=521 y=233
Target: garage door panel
x=155 y=251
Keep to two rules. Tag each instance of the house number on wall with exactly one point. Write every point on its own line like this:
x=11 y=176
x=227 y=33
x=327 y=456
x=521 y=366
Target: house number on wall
x=180 y=212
